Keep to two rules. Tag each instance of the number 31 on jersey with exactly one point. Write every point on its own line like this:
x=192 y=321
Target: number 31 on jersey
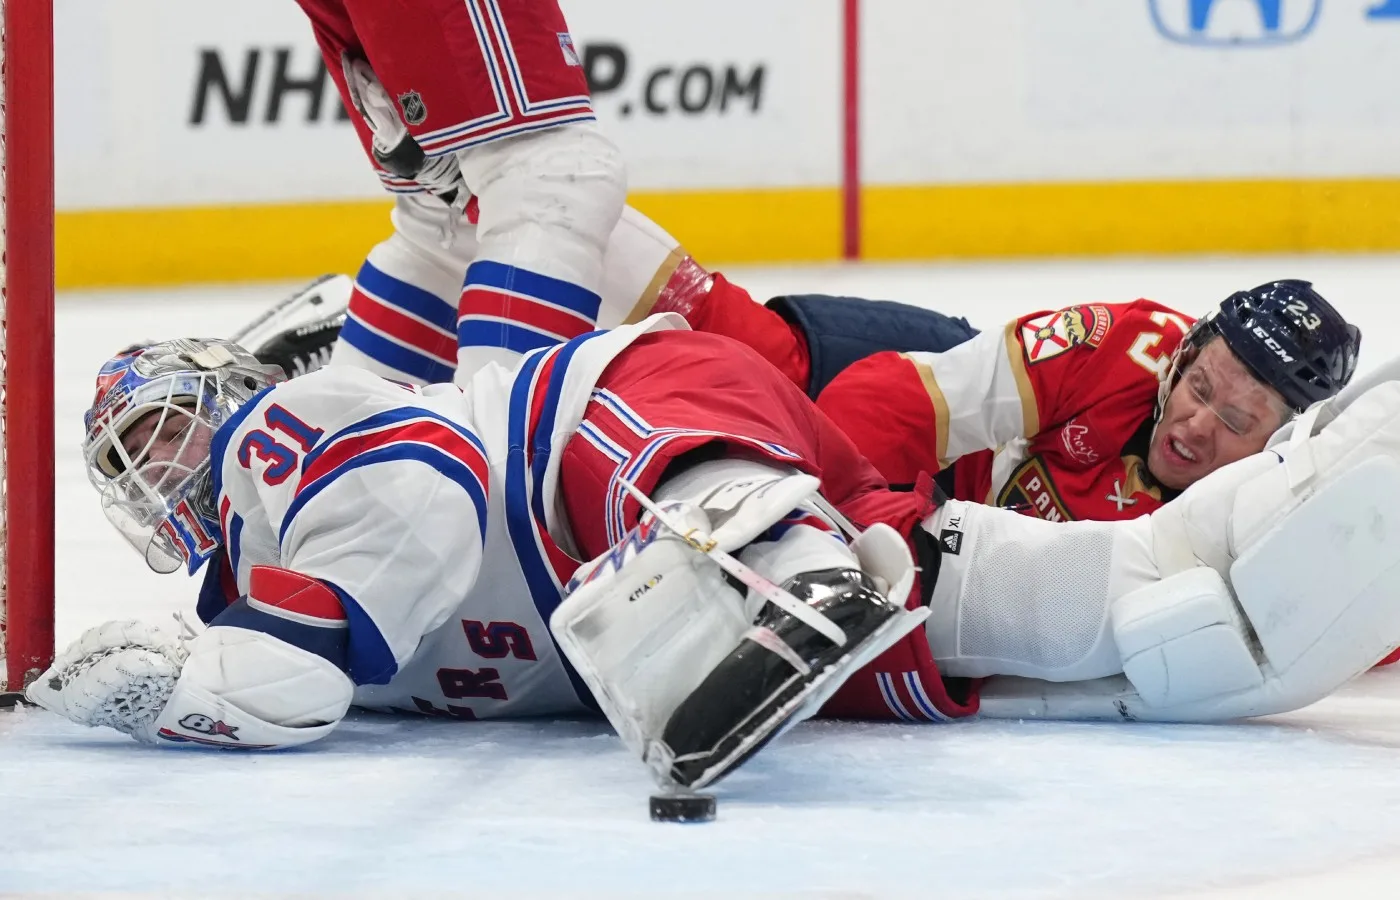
x=281 y=459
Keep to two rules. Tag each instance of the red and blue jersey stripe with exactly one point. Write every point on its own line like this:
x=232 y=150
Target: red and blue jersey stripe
x=405 y=433
x=299 y=610
x=630 y=467
x=534 y=410
x=519 y=310
x=402 y=326
x=314 y=615
x=911 y=704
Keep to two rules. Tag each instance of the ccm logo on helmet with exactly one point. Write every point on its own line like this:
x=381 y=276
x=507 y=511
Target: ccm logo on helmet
x=1272 y=344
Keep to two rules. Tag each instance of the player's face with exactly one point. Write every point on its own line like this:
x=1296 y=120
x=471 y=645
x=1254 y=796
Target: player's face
x=166 y=444
x=1217 y=413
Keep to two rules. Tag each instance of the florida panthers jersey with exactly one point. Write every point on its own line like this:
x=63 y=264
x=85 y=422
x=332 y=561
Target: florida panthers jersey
x=432 y=514
x=1051 y=416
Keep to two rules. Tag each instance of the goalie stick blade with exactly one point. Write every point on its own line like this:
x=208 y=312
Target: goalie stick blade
x=10 y=699
x=711 y=733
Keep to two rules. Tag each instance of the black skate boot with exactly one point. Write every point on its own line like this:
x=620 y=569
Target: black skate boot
x=753 y=693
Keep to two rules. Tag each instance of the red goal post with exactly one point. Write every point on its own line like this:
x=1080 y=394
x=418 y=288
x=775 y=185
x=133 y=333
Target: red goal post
x=26 y=367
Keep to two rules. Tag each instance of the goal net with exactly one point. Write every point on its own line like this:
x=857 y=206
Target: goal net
x=26 y=340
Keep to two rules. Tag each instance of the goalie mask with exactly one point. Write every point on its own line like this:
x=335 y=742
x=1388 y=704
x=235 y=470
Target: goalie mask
x=148 y=437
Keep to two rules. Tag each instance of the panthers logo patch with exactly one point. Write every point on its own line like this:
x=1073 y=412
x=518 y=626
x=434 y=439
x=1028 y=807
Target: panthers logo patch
x=1030 y=491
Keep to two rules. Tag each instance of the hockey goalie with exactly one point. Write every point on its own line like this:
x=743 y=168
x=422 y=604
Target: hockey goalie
x=654 y=523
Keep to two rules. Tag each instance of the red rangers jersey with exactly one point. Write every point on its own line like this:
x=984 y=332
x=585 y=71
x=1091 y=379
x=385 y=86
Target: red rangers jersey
x=1051 y=416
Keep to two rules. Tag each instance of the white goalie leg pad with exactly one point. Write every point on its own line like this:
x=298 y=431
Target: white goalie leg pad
x=649 y=621
x=740 y=497
x=653 y=616
x=1183 y=639
x=1319 y=591
x=656 y=615
x=1313 y=606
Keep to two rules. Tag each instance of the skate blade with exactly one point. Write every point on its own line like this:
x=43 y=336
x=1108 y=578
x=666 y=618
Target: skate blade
x=818 y=691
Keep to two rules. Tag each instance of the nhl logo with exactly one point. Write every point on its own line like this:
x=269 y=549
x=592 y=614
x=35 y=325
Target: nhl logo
x=414 y=111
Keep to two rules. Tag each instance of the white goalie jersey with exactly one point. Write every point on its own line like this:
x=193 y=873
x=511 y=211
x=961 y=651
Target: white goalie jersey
x=431 y=514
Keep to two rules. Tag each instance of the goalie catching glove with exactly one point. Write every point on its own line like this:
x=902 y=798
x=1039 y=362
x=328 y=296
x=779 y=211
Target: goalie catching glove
x=229 y=687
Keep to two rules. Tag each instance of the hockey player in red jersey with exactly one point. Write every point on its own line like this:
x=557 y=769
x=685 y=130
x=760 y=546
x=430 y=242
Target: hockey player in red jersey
x=1098 y=411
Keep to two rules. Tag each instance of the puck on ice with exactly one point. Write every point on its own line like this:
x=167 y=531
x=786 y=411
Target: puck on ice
x=682 y=808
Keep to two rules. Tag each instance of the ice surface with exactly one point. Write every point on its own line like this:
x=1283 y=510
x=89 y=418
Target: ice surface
x=1303 y=804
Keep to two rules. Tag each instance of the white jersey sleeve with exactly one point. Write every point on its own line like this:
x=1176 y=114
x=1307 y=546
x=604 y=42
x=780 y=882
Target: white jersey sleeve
x=376 y=490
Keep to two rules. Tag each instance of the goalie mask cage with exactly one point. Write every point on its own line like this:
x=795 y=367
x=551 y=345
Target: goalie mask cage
x=26 y=361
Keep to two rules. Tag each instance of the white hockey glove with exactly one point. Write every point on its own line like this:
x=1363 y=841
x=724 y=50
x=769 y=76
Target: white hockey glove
x=228 y=687
x=119 y=674
x=696 y=675
x=394 y=148
x=1300 y=591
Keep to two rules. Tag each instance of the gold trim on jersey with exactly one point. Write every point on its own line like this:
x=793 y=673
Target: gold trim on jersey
x=1030 y=413
x=941 y=417
x=653 y=290
x=1138 y=480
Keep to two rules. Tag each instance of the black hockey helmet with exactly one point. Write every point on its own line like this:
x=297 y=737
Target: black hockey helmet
x=1285 y=333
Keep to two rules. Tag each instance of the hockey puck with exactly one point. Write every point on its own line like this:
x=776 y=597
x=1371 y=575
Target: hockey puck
x=683 y=808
